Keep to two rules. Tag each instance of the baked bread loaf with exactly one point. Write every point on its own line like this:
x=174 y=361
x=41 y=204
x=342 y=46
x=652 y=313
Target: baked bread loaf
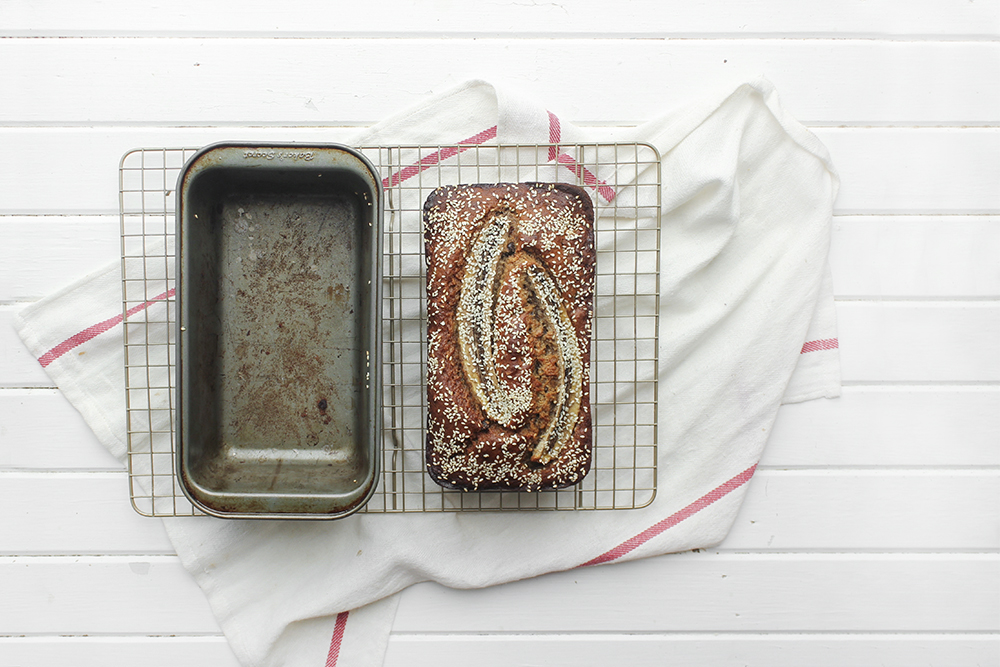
x=510 y=300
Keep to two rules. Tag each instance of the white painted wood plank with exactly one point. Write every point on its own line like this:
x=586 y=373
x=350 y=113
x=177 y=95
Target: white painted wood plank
x=880 y=341
x=684 y=650
x=919 y=342
x=88 y=595
x=89 y=513
x=883 y=170
x=795 y=592
x=923 y=426
x=17 y=367
x=869 y=510
x=890 y=426
x=189 y=651
x=871 y=256
x=930 y=170
x=39 y=428
x=41 y=254
x=701 y=592
x=305 y=81
x=567 y=18
x=916 y=256
x=582 y=650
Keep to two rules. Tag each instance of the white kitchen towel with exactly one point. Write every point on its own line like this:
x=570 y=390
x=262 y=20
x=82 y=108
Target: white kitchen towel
x=747 y=322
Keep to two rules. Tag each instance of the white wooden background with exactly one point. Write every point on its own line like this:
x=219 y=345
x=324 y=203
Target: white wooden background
x=870 y=533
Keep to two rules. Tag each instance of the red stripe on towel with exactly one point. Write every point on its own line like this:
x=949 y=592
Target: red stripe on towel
x=825 y=344
x=712 y=496
x=338 y=638
x=97 y=329
x=581 y=172
x=587 y=177
x=555 y=134
x=434 y=158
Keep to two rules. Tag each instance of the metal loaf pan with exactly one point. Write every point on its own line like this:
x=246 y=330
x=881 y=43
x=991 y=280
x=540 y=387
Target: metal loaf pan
x=279 y=322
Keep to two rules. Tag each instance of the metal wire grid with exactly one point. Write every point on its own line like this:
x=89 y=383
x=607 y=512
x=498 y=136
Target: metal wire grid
x=624 y=182
x=147 y=199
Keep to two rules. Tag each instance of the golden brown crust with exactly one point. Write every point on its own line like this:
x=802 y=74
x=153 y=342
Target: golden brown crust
x=510 y=294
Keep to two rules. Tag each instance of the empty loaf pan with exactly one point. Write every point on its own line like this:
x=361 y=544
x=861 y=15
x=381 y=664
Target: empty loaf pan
x=279 y=308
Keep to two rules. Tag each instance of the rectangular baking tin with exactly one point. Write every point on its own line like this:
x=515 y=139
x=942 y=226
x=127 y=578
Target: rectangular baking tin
x=279 y=322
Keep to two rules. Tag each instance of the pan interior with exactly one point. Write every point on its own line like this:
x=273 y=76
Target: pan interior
x=278 y=309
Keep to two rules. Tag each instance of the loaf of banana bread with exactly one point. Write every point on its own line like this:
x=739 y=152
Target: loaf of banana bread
x=510 y=300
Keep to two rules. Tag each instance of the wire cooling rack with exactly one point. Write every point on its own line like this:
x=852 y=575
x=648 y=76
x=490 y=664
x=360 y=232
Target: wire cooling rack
x=624 y=183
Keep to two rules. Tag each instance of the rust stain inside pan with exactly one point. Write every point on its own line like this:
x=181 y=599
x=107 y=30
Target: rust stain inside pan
x=279 y=265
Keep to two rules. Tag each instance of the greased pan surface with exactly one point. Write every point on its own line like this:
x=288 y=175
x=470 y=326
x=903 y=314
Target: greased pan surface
x=279 y=287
